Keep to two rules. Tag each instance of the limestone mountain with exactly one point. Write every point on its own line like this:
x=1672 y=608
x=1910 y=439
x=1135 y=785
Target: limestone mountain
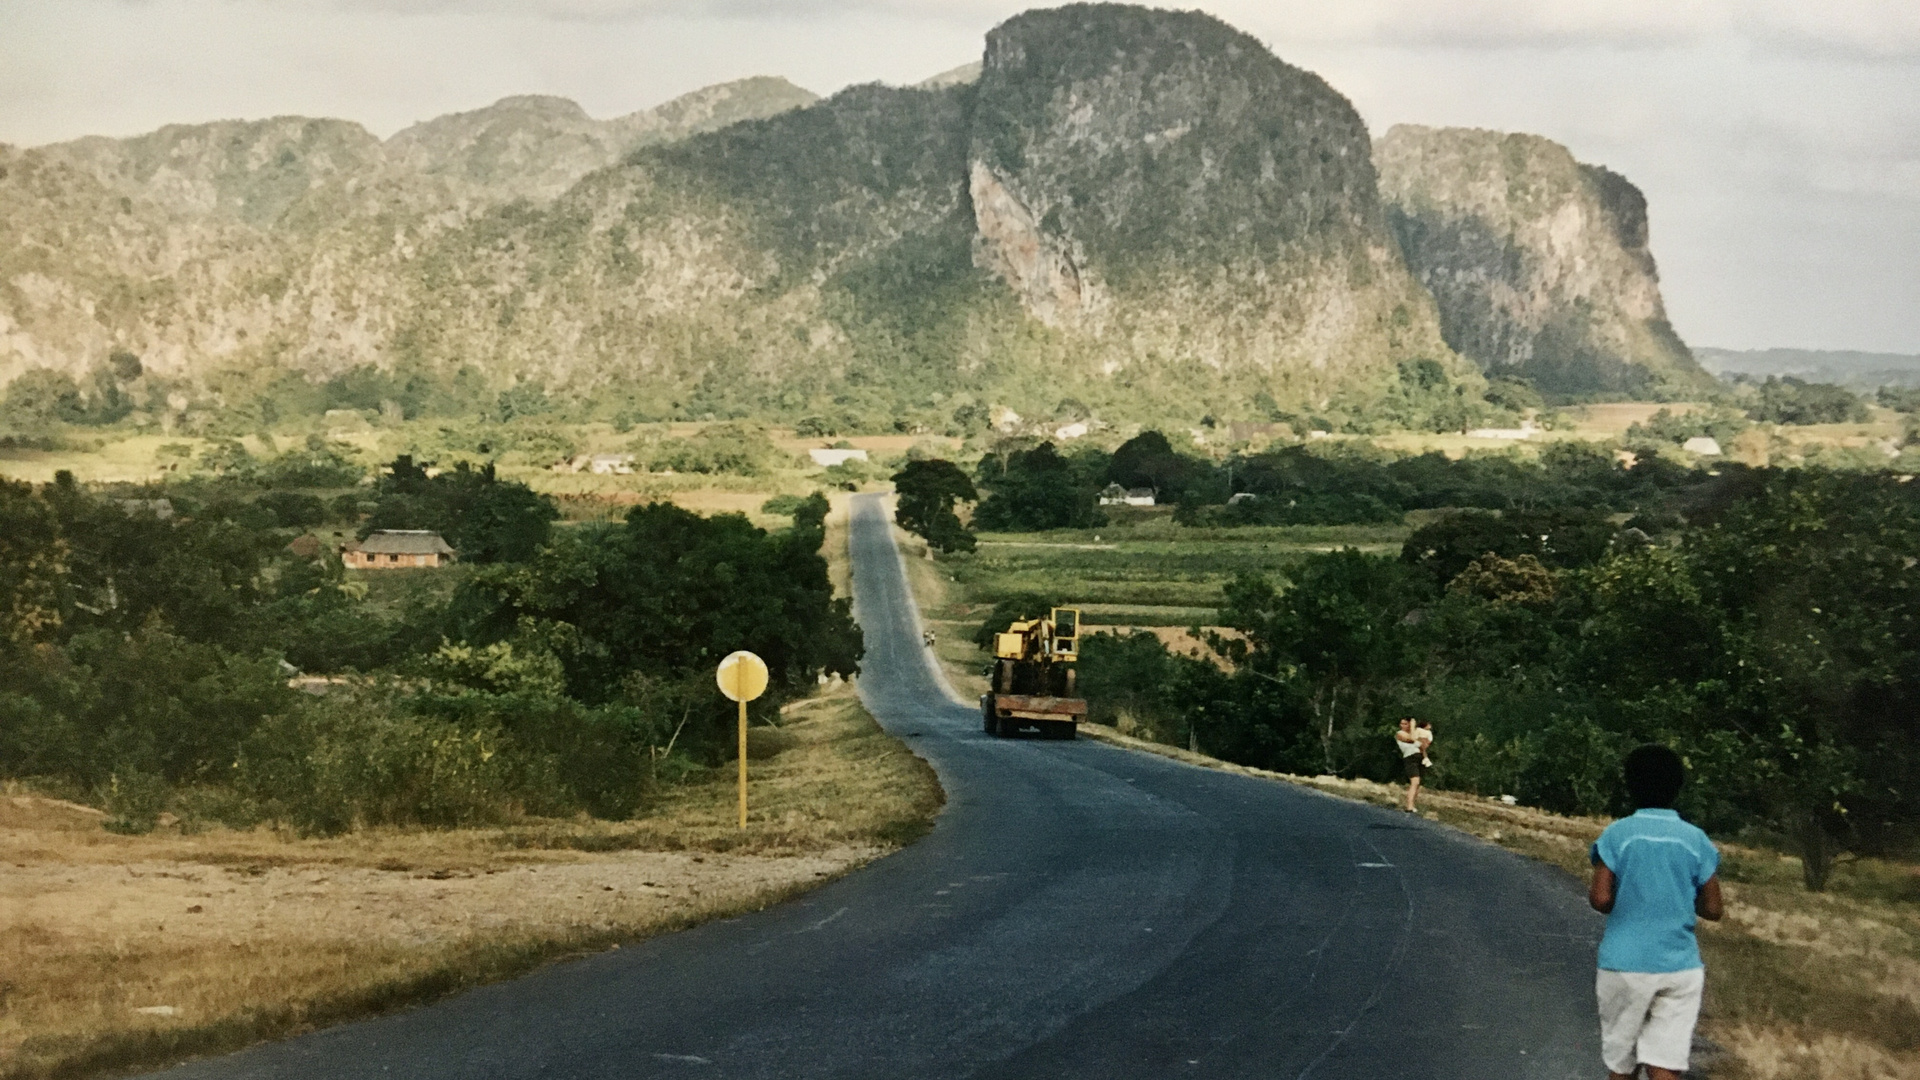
x=538 y=147
x=1540 y=264
x=1142 y=214
x=256 y=247
x=1129 y=168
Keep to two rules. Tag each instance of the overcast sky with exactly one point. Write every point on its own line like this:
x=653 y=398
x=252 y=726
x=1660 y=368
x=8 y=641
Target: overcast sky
x=1778 y=141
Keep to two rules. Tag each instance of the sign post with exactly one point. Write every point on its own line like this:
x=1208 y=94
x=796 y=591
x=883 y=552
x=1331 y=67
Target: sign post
x=742 y=677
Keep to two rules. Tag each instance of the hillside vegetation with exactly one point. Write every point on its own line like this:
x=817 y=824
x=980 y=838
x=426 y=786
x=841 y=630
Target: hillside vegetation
x=1135 y=215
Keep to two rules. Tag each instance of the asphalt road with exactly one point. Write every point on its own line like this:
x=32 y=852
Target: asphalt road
x=1079 y=912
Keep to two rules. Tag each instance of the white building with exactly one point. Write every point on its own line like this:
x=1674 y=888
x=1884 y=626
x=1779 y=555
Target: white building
x=1704 y=445
x=1115 y=495
x=1524 y=431
x=829 y=457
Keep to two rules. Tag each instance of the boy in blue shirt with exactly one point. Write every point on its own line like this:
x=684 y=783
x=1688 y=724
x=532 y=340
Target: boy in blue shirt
x=1653 y=874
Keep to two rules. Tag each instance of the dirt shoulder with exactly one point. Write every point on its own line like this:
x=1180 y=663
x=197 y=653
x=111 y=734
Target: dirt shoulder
x=124 y=952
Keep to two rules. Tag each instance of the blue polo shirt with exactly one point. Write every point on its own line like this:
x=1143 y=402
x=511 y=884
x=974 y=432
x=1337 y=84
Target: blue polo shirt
x=1659 y=863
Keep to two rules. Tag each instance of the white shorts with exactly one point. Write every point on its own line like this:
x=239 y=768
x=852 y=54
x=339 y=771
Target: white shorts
x=1647 y=1018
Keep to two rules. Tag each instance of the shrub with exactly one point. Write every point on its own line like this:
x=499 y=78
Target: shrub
x=351 y=760
x=1793 y=401
x=1006 y=612
x=320 y=464
x=726 y=448
x=292 y=510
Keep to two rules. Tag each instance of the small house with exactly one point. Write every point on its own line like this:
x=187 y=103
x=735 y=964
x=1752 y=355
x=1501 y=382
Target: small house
x=1526 y=430
x=398 y=549
x=611 y=464
x=1115 y=495
x=830 y=457
x=1704 y=445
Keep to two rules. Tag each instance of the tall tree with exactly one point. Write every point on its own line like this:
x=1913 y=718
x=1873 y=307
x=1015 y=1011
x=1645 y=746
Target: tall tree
x=927 y=492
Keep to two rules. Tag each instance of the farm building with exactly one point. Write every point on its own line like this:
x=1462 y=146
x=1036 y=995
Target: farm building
x=397 y=549
x=1115 y=495
x=836 y=456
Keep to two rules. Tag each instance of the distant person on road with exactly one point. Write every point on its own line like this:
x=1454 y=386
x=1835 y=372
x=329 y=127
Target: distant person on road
x=1407 y=741
x=1653 y=875
x=926 y=638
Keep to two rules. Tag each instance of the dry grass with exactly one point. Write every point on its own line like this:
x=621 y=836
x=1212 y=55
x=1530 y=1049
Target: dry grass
x=231 y=937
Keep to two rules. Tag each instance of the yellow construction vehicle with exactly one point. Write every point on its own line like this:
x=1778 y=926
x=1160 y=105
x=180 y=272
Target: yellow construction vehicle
x=1033 y=677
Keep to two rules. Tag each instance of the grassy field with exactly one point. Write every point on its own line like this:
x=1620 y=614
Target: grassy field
x=1144 y=569
x=124 y=952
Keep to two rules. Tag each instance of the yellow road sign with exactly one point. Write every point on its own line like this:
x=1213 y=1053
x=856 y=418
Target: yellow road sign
x=742 y=676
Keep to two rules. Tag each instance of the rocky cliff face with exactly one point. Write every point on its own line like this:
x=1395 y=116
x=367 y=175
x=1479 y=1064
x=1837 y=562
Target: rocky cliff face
x=1540 y=264
x=1130 y=167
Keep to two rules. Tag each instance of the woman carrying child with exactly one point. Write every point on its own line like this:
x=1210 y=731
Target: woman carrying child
x=1412 y=753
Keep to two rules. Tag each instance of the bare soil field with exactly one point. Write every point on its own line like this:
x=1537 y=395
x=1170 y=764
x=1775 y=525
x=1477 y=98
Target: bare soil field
x=121 y=952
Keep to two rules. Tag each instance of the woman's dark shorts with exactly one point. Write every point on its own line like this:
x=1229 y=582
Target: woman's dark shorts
x=1411 y=764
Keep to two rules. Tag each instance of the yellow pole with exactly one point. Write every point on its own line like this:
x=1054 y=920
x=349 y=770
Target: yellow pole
x=743 y=763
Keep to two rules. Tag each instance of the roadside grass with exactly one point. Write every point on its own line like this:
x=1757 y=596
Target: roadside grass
x=1808 y=986
x=228 y=937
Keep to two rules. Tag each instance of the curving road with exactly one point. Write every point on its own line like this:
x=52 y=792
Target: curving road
x=1080 y=911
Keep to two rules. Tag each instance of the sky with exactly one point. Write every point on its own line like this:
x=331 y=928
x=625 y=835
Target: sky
x=1777 y=141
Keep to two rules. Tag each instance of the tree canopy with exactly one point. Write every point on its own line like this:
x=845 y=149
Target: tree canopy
x=927 y=493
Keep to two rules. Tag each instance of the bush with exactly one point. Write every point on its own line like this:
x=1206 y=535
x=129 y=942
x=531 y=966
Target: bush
x=1307 y=508
x=726 y=448
x=319 y=465
x=1793 y=401
x=1127 y=677
x=1008 y=611
x=1573 y=767
x=1718 y=424
x=292 y=510
x=346 y=761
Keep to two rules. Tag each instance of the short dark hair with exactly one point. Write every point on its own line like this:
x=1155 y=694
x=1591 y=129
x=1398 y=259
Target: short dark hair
x=1654 y=776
